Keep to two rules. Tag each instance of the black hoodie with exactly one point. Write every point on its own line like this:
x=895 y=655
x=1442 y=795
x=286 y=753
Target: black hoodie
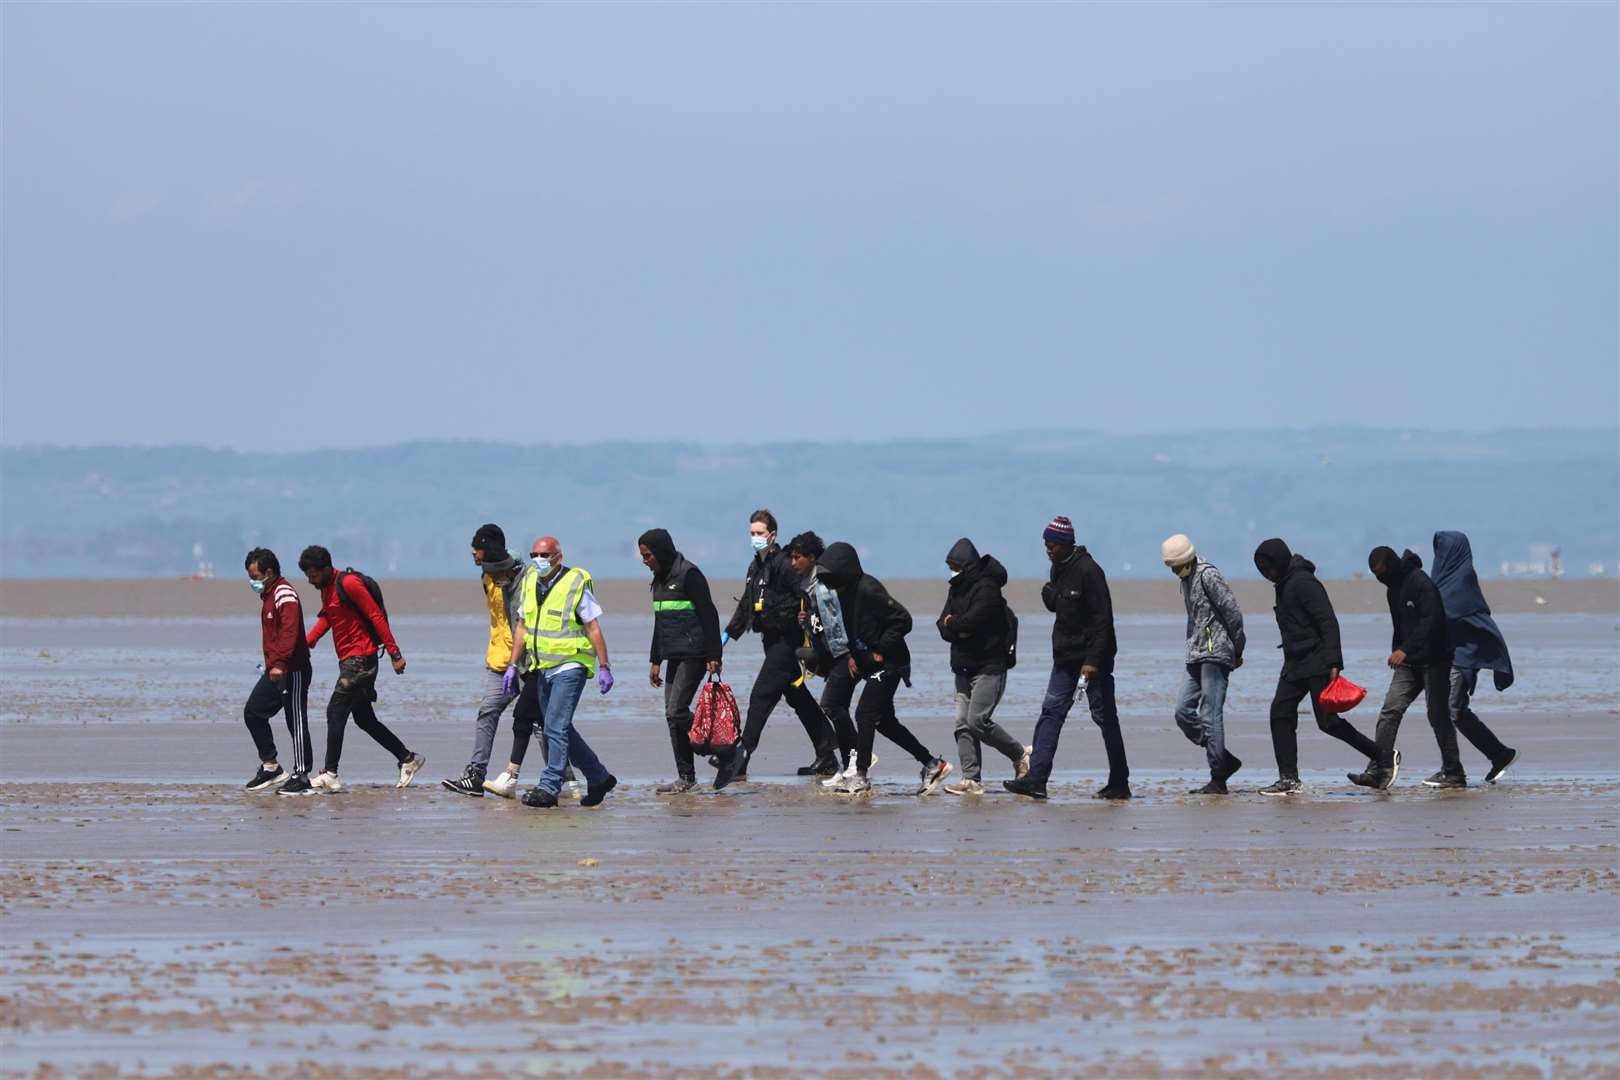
x=978 y=612
x=685 y=623
x=770 y=599
x=877 y=622
x=1417 y=615
x=1083 y=632
x=1305 y=619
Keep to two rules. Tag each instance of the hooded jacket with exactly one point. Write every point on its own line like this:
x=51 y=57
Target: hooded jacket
x=770 y=599
x=1417 y=615
x=501 y=596
x=685 y=623
x=978 y=612
x=1214 y=620
x=1477 y=641
x=877 y=622
x=1305 y=618
x=1083 y=632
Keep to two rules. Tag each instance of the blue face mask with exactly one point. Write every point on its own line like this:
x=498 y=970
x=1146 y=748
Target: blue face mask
x=258 y=586
x=760 y=542
x=543 y=565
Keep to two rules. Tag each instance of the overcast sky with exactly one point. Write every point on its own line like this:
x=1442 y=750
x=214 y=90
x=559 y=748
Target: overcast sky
x=294 y=226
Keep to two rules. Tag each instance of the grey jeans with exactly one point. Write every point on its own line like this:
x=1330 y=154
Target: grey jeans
x=492 y=702
x=1434 y=683
x=1201 y=709
x=976 y=699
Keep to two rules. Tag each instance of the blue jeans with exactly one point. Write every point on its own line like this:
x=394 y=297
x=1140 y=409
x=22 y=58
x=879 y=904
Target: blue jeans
x=492 y=701
x=1200 y=712
x=1055 y=707
x=558 y=695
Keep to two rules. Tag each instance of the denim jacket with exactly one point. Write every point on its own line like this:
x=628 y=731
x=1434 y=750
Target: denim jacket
x=827 y=620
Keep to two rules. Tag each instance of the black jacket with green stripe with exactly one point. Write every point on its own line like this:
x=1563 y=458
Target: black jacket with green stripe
x=685 y=623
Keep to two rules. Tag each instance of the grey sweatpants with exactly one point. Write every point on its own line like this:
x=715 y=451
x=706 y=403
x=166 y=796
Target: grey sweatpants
x=1405 y=684
x=976 y=699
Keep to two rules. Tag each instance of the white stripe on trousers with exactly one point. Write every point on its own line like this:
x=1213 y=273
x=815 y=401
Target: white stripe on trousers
x=296 y=722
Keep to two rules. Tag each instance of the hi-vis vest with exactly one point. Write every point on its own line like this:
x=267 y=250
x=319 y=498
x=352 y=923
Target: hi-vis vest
x=552 y=632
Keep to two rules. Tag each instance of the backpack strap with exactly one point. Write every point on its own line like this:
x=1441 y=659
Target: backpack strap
x=348 y=601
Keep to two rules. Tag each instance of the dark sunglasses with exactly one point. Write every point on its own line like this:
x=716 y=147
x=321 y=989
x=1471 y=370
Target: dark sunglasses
x=542 y=554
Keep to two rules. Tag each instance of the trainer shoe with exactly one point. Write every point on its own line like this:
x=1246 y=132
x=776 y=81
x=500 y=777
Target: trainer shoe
x=409 y=768
x=504 y=785
x=1034 y=789
x=1113 y=792
x=1447 y=781
x=470 y=783
x=597 y=792
x=1394 y=769
x=679 y=786
x=931 y=774
x=1500 y=766
x=297 y=784
x=1370 y=777
x=326 y=782
x=1214 y=787
x=1229 y=767
x=1285 y=785
x=1021 y=766
x=540 y=797
x=965 y=787
x=732 y=766
x=267 y=778
x=822 y=766
x=855 y=785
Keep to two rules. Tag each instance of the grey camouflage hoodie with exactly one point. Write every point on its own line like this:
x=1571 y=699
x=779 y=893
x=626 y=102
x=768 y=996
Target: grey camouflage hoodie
x=1214 y=621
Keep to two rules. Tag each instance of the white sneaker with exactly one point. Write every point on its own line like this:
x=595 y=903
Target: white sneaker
x=573 y=789
x=855 y=785
x=849 y=773
x=504 y=785
x=1021 y=769
x=409 y=768
x=930 y=776
x=965 y=787
x=325 y=782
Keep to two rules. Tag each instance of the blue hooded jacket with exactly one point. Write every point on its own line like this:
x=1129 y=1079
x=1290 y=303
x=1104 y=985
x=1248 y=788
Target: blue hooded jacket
x=1478 y=640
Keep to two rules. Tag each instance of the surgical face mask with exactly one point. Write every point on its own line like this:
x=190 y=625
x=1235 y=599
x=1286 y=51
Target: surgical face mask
x=543 y=565
x=258 y=586
x=952 y=575
x=760 y=542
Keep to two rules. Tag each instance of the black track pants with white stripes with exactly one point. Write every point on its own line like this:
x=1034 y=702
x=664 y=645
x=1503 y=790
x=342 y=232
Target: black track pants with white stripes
x=288 y=694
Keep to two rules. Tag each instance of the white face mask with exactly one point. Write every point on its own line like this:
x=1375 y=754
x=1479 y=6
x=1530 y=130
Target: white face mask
x=952 y=576
x=760 y=542
x=543 y=565
x=258 y=586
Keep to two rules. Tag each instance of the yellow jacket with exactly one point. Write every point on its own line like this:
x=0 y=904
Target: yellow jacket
x=500 y=628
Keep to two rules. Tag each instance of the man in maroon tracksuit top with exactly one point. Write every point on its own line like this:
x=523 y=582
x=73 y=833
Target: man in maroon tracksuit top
x=284 y=686
x=359 y=630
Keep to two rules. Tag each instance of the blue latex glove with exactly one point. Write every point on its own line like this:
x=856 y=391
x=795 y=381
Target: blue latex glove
x=724 y=637
x=509 y=680
x=604 y=680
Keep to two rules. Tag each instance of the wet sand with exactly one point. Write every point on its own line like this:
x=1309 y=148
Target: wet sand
x=158 y=921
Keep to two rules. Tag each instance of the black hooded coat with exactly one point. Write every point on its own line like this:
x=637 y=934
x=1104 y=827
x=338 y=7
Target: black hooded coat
x=1417 y=615
x=1305 y=618
x=685 y=622
x=877 y=622
x=978 y=612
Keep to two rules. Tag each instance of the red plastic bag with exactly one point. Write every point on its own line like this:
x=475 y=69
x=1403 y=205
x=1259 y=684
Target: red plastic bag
x=714 y=721
x=1342 y=695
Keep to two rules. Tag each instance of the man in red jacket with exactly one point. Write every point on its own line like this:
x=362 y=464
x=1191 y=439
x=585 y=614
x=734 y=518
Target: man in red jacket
x=284 y=686
x=359 y=632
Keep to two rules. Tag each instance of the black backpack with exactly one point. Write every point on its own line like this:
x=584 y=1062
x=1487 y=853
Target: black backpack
x=1012 y=636
x=376 y=595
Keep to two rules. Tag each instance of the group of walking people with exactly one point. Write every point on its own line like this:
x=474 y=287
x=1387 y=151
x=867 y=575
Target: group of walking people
x=819 y=614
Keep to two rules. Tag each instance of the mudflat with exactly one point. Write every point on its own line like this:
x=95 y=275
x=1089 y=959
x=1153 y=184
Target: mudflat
x=159 y=921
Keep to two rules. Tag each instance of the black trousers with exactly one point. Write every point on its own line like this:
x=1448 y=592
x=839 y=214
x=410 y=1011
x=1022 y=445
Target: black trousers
x=837 y=692
x=288 y=694
x=1285 y=722
x=681 y=681
x=777 y=678
x=355 y=690
x=875 y=713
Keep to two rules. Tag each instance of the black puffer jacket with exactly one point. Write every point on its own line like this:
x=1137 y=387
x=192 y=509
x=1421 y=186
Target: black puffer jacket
x=877 y=622
x=1083 y=632
x=1305 y=619
x=978 y=613
x=685 y=623
x=770 y=599
x=1417 y=615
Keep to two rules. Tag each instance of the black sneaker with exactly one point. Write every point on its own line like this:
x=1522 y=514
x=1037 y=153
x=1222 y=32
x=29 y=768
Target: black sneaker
x=821 y=767
x=1447 y=781
x=1215 y=786
x=267 y=778
x=732 y=766
x=679 y=786
x=1229 y=766
x=1285 y=785
x=1034 y=789
x=1500 y=765
x=1113 y=791
x=595 y=793
x=297 y=784
x=470 y=783
x=1370 y=777
x=539 y=797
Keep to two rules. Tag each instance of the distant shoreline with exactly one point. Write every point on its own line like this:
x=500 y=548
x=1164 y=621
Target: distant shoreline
x=182 y=598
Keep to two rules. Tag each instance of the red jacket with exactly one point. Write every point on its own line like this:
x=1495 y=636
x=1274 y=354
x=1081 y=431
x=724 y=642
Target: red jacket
x=350 y=637
x=283 y=626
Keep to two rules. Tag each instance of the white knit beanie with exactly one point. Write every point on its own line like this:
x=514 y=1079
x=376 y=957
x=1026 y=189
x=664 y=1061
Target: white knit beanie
x=1178 y=550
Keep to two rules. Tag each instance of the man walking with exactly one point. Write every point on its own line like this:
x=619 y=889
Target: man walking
x=770 y=604
x=1214 y=650
x=284 y=685
x=878 y=626
x=822 y=617
x=685 y=639
x=359 y=631
x=501 y=574
x=560 y=639
x=976 y=624
x=1420 y=661
x=1083 y=650
x=1477 y=644
x=1312 y=659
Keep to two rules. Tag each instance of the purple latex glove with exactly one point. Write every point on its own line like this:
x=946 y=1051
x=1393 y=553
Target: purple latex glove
x=509 y=680
x=604 y=680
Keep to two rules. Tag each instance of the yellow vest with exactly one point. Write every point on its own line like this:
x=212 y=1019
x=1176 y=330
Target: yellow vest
x=500 y=629
x=552 y=632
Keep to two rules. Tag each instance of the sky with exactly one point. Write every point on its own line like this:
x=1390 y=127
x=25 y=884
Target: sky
x=302 y=226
